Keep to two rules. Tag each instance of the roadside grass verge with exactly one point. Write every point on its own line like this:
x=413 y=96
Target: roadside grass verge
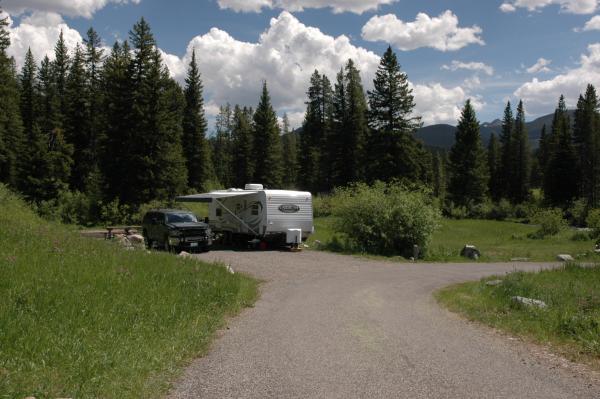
x=85 y=318
x=498 y=241
x=570 y=324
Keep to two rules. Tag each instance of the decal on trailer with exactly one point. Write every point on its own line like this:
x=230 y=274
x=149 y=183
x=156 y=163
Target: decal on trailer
x=289 y=208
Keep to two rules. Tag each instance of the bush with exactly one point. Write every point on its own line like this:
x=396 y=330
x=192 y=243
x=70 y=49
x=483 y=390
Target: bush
x=580 y=236
x=456 y=211
x=577 y=212
x=551 y=222
x=502 y=210
x=116 y=213
x=385 y=219
x=70 y=207
x=593 y=222
x=322 y=205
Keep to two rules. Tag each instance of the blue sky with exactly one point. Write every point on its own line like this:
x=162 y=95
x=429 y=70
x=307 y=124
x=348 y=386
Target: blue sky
x=452 y=51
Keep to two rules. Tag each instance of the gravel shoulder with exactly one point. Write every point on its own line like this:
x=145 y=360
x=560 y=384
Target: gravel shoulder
x=335 y=326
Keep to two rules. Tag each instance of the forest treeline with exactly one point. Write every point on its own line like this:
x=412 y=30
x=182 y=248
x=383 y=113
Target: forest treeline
x=95 y=136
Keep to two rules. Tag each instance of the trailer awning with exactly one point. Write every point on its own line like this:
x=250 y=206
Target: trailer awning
x=214 y=195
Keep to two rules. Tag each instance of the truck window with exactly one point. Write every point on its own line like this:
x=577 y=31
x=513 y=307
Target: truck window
x=219 y=212
x=254 y=209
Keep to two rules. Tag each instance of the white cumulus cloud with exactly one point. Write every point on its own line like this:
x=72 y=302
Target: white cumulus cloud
x=470 y=66
x=441 y=32
x=592 y=24
x=542 y=95
x=286 y=54
x=540 y=66
x=39 y=31
x=439 y=104
x=570 y=6
x=72 y=8
x=338 y=6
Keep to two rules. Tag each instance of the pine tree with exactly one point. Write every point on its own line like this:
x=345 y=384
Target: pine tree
x=395 y=153
x=117 y=103
x=494 y=165
x=267 y=144
x=353 y=155
x=507 y=155
x=56 y=162
x=560 y=176
x=468 y=168
x=196 y=148
x=156 y=154
x=222 y=147
x=242 y=140
x=60 y=71
x=77 y=121
x=11 y=129
x=290 y=154
x=522 y=155
x=95 y=112
x=586 y=134
x=29 y=114
x=316 y=152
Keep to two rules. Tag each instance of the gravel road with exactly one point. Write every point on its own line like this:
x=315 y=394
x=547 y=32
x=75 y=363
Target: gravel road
x=334 y=326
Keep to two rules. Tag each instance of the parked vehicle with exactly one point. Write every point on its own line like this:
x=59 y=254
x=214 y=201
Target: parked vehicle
x=255 y=214
x=174 y=229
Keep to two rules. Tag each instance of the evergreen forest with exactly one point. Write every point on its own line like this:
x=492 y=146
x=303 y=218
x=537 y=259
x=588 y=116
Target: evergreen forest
x=96 y=136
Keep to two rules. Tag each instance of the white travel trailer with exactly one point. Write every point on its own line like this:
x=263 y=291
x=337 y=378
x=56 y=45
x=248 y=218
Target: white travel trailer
x=258 y=213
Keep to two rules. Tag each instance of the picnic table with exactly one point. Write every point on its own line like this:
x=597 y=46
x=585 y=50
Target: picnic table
x=127 y=230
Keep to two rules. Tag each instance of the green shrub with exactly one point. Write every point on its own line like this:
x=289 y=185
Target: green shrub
x=502 y=210
x=578 y=212
x=70 y=207
x=593 y=222
x=551 y=222
x=385 y=219
x=116 y=213
x=322 y=205
x=455 y=211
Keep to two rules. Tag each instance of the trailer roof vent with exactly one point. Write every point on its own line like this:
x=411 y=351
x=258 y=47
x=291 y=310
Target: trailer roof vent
x=253 y=186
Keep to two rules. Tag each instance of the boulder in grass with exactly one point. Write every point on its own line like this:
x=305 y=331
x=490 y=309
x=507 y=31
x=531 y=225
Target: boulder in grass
x=471 y=252
x=565 y=258
x=136 y=239
x=184 y=254
x=529 y=302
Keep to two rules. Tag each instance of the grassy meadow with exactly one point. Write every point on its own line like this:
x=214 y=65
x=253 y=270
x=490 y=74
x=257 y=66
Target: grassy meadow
x=85 y=318
x=497 y=241
x=570 y=323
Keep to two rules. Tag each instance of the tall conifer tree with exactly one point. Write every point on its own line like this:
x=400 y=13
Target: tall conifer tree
x=395 y=153
x=522 y=155
x=507 y=160
x=560 y=176
x=157 y=108
x=586 y=134
x=267 y=144
x=11 y=129
x=222 y=149
x=196 y=148
x=243 y=141
x=468 y=168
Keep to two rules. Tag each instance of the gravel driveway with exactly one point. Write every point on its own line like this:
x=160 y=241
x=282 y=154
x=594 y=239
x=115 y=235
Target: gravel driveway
x=334 y=326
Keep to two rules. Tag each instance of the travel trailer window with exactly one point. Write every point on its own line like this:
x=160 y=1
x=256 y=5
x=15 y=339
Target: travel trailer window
x=254 y=209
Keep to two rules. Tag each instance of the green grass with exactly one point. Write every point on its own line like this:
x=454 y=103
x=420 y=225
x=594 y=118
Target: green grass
x=497 y=241
x=85 y=318
x=570 y=323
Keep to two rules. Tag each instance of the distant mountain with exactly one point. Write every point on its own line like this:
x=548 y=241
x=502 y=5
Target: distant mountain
x=442 y=136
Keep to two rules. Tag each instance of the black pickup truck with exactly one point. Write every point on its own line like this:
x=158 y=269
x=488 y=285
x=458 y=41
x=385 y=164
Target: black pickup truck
x=176 y=230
